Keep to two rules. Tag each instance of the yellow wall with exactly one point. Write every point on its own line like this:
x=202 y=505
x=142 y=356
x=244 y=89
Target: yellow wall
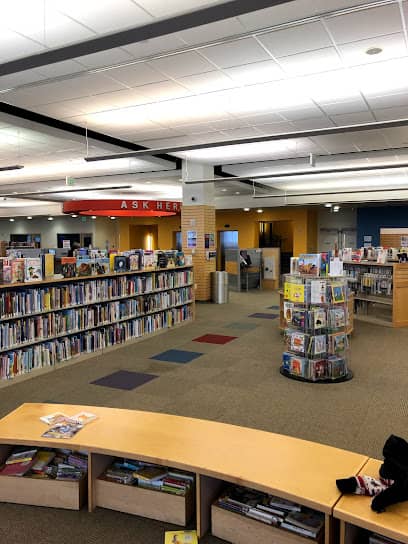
x=312 y=231
x=246 y=223
x=165 y=225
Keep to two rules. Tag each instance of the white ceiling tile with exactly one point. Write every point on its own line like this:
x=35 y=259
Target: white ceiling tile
x=13 y=46
x=161 y=9
x=244 y=132
x=311 y=124
x=164 y=90
x=297 y=39
x=353 y=118
x=275 y=128
x=359 y=25
x=61 y=68
x=154 y=46
x=208 y=82
x=393 y=46
x=184 y=64
x=236 y=53
x=335 y=143
x=256 y=72
x=103 y=16
x=297 y=114
x=19 y=78
x=59 y=30
x=388 y=101
x=212 y=31
x=374 y=139
x=379 y=78
x=105 y=58
x=311 y=62
x=396 y=137
x=388 y=114
x=228 y=124
x=340 y=108
x=136 y=74
x=262 y=118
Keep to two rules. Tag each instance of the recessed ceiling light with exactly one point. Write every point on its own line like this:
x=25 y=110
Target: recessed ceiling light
x=224 y=190
x=148 y=182
x=237 y=193
x=336 y=208
x=259 y=210
x=11 y=220
x=328 y=205
x=50 y=218
x=373 y=51
x=29 y=217
x=113 y=217
x=93 y=217
x=246 y=209
x=74 y=215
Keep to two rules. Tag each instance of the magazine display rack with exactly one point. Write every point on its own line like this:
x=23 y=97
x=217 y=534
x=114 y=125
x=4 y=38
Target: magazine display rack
x=216 y=453
x=45 y=323
x=316 y=339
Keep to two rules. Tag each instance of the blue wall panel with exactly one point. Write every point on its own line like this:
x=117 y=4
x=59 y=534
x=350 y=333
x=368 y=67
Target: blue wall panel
x=370 y=220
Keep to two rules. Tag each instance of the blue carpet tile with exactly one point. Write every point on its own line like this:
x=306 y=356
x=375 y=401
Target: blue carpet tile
x=177 y=356
x=241 y=326
x=124 y=379
x=264 y=316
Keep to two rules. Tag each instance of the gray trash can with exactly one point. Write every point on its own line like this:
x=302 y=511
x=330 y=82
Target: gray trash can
x=219 y=287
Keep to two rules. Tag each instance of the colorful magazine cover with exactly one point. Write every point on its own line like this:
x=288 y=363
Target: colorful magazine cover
x=309 y=263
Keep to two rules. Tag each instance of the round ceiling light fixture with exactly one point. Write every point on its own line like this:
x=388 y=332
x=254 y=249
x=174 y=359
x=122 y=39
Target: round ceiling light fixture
x=11 y=220
x=373 y=51
x=328 y=205
x=29 y=217
x=74 y=215
x=50 y=218
x=246 y=209
x=259 y=210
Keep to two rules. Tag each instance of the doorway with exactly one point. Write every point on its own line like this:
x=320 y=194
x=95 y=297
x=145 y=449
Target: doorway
x=278 y=234
x=143 y=236
x=227 y=239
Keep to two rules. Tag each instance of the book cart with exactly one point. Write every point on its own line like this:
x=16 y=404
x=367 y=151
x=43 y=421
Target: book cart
x=45 y=323
x=358 y=522
x=216 y=453
x=315 y=310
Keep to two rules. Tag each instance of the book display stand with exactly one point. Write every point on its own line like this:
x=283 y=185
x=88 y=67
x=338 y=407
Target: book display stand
x=315 y=311
x=45 y=323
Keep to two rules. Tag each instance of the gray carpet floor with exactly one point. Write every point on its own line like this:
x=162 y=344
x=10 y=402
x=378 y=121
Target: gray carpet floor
x=237 y=383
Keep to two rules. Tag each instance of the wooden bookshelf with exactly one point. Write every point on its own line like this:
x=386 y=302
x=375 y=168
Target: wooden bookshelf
x=178 y=300
x=397 y=302
x=217 y=453
x=356 y=516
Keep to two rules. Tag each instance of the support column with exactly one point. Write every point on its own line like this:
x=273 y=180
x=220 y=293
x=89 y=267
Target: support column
x=198 y=225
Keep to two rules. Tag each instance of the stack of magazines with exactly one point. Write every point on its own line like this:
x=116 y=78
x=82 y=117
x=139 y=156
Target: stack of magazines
x=63 y=426
x=149 y=475
x=272 y=510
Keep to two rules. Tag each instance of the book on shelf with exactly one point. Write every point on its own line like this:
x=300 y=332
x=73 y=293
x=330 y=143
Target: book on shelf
x=42 y=460
x=21 y=454
x=336 y=318
x=337 y=342
x=17 y=469
x=120 y=263
x=318 y=292
x=307 y=519
x=337 y=366
x=287 y=311
x=284 y=504
x=318 y=369
x=33 y=269
x=48 y=265
x=84 y=267
x=17 y=270
x=101 y=266
x=337 y=292
x=180 y=537
x=296 y=365
x=150 y=473
x=298 y=530
x=319 y=318
x=325 y=263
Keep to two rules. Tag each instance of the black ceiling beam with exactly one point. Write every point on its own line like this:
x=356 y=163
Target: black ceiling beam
x=218 y=171
x=44 y=120
x=212 y=14
x=377 y=125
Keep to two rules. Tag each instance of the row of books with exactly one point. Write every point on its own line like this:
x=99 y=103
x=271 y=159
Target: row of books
x=52 y=352
x=272 y=510
x=377 y=281
x=56 y=464
x=23 y=302
x=318 y=345
x=333 y=367
x=150 y=476
x=312 y=291
x=15 y=269
x=315 y=318
x=47 y=326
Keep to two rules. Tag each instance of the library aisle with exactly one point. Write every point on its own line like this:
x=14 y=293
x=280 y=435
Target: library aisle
x=223 y=367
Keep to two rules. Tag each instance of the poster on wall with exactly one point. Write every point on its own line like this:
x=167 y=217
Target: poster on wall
x=191 y=238
x=209 y=240
x=368 y=240
x=404 y=241
x=66 y=244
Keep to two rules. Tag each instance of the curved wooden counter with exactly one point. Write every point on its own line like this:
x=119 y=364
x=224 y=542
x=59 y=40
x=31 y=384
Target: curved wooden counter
x=291 y=468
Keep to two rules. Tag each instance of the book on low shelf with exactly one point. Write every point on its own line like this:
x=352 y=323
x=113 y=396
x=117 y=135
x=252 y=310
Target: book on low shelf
x=180 y=537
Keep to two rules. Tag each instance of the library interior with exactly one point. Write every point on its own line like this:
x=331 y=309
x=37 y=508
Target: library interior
x=203 y=271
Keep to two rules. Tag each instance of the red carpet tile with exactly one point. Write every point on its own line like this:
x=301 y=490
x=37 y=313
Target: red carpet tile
x=215 y=339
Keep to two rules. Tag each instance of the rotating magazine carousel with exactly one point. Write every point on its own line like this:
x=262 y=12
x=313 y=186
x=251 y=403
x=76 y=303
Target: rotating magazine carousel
x=317 y=345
